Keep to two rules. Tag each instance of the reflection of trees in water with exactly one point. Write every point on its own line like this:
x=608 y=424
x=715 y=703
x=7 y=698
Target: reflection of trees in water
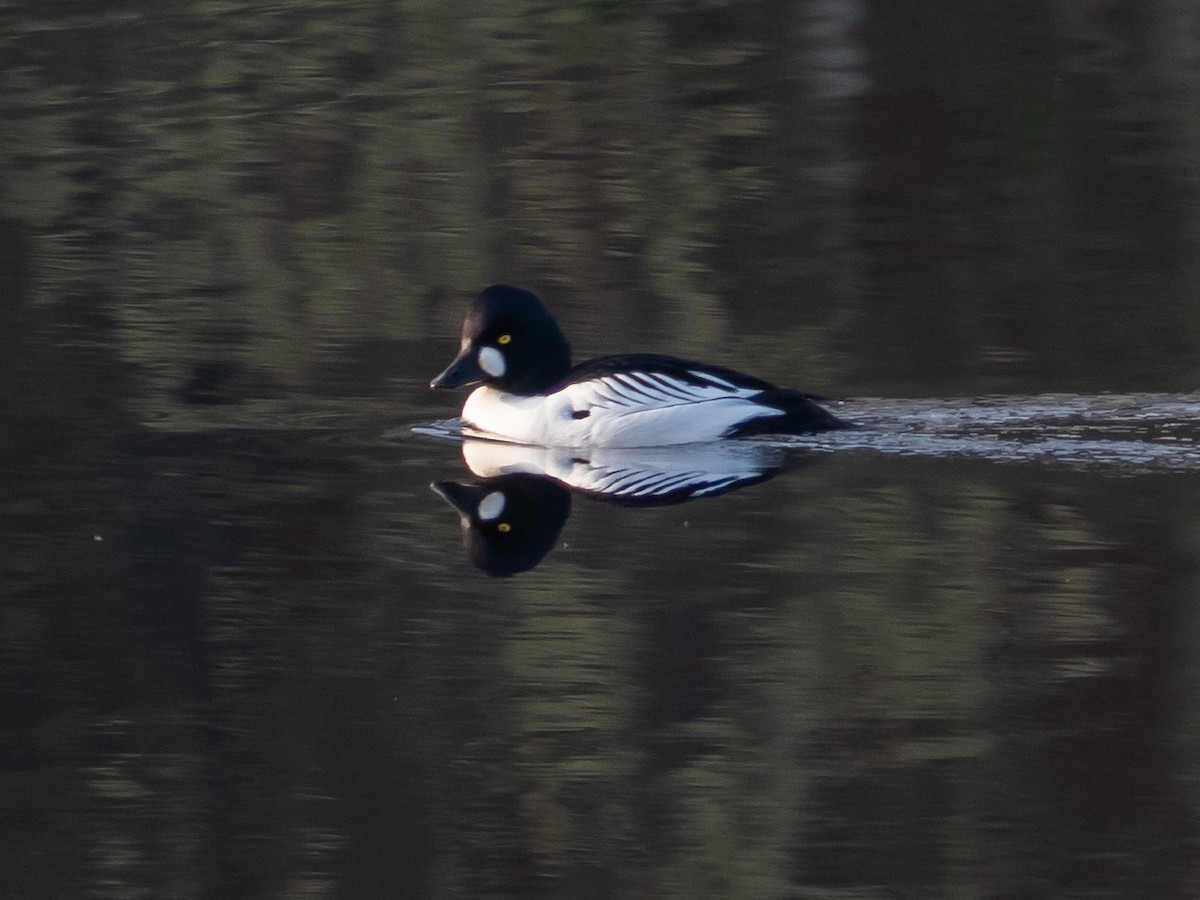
x=903 y=675
x=983 y=192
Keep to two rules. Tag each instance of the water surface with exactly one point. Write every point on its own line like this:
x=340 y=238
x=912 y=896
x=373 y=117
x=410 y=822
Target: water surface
x=243 y=651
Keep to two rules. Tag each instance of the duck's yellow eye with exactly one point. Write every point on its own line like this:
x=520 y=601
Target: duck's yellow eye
x=504 y=528
x=504 y=339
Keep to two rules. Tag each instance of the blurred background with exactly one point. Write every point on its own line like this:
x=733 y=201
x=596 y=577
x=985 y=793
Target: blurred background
x=240 y=652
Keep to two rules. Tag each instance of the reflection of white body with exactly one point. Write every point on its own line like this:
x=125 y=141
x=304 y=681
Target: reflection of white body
x=630 y=474
x=678 y=413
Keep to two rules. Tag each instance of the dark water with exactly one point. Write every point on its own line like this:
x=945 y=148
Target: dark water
x=955 y=652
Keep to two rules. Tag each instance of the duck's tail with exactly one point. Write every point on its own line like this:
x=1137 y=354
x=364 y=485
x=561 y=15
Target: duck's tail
x=798 y=413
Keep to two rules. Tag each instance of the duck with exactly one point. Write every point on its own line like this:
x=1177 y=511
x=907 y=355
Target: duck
x=526 y=391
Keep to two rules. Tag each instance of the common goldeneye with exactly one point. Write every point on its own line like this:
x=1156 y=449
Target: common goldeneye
x=530 y=394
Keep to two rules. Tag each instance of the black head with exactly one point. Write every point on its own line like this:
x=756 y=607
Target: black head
x=509 y=340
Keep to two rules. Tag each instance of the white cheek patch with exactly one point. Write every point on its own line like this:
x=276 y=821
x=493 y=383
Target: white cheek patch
x=491 y=361
x=491 y=506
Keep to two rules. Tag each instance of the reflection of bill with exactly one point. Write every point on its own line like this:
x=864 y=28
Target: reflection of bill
x=513 y=515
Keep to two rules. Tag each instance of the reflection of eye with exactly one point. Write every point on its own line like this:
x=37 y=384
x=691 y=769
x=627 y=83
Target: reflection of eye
x=504 y=528
x=504 y=339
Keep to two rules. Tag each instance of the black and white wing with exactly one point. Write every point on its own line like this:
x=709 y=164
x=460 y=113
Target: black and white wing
x=646 y=381
x=684 y=402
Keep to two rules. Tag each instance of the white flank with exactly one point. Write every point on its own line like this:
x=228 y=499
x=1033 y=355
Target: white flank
x=629 y=409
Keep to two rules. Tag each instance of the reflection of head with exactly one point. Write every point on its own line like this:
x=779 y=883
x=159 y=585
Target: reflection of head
x=509 y=523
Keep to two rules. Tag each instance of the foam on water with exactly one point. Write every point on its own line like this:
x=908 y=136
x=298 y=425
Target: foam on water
x=1125 y=434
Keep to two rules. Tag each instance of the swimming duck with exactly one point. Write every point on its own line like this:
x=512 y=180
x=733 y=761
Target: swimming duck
x=528 y=392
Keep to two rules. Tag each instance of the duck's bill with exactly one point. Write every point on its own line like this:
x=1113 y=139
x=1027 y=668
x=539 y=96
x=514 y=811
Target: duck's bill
x=460 y=373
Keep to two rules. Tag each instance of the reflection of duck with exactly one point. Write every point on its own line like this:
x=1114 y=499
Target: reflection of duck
x=509 y=524
x=513 y=515
x=512 y=346
x=649 y=476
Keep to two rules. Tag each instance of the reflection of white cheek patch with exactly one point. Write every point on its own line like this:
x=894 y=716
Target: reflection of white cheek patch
x=491 y=361
x=491 y=506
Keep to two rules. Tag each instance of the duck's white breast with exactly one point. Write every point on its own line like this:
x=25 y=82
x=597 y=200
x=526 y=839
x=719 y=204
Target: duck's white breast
x=526 y=420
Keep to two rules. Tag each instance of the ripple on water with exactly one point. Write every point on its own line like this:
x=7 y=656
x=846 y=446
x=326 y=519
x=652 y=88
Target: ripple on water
x=1124 y=434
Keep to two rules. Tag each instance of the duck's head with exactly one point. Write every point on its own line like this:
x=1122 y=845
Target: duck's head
x=509 y=341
